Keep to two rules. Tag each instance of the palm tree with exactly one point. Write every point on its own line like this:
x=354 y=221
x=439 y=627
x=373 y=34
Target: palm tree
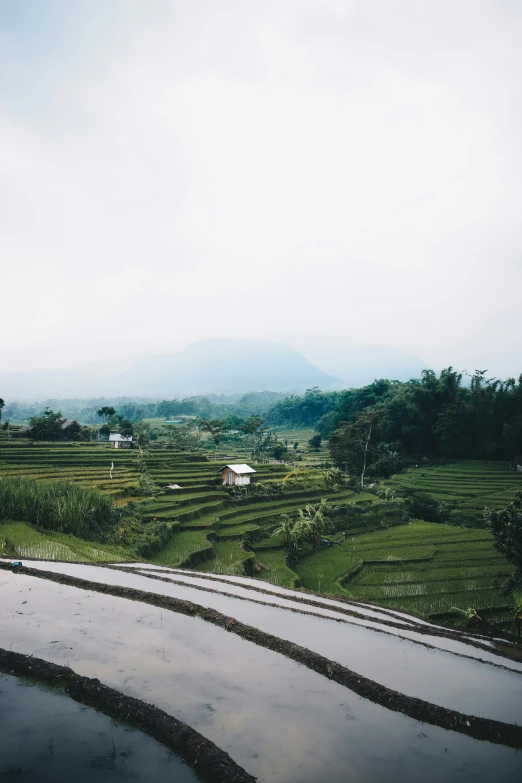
x=313 y=523
x=286 y=529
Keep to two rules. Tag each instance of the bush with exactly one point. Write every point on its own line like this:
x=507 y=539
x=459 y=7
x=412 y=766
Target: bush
x=380 y=513
x=423 y=506
x=58 y=505
x=467 y=518
x=153 y=538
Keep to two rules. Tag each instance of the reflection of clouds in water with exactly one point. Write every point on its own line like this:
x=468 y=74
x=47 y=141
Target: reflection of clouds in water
x=279 y=720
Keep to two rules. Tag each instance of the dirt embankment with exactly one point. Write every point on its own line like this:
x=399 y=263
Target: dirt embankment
x=477 y=728
x=212 y=764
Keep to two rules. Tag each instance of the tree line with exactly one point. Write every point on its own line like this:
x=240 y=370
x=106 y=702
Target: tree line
x=134 y=410
x=436 y=415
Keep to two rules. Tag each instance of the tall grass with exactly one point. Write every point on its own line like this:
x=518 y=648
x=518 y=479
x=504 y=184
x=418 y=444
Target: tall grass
x=57 y=505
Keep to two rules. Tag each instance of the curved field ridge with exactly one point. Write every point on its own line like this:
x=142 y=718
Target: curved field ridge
x=212 y=764
x=479 y=728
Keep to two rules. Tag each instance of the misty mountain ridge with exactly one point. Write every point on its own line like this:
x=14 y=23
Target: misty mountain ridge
x=225 y=366
x=216 y=366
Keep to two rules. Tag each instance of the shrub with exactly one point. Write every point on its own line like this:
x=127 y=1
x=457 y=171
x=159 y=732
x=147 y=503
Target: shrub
x=58 y=505
x=423 y=506
x=153 y=538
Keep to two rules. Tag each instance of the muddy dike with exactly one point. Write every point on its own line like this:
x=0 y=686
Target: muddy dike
x=211 y=764
x=486 y=729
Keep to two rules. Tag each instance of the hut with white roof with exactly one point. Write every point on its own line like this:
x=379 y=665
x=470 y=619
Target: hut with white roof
x=236 y=474
x=120 y=441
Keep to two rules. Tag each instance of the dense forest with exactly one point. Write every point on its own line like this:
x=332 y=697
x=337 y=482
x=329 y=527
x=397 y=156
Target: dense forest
x=433 y=416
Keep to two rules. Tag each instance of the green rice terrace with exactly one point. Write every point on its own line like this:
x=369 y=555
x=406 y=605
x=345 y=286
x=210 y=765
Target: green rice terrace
x=432 y=570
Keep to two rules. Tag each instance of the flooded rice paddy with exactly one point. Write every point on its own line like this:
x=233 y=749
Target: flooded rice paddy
x=46 y=737
x=279 y=720
x=404 y=665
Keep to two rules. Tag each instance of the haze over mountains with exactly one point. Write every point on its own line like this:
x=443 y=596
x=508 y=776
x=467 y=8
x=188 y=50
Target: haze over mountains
x=219 y=366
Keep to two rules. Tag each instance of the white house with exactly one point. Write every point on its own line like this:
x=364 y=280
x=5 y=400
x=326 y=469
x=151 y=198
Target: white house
x=236 y=474
x=119 y=441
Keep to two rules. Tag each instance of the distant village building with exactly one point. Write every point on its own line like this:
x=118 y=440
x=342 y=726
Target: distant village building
x=236 y=474
x=119 y=441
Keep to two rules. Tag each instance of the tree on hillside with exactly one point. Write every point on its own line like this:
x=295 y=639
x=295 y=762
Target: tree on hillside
x=178 y=437
x=126 y=428
x=278 y=450
x=253 y=431
x=141 y=433
x=286 y=529
x=107 y=412
x=49 y=426
x=353 y=445
x=505 y=525
x=2 y=405
x=215 y=428
x=315 y=442
x=313 y=523
x=234 y=422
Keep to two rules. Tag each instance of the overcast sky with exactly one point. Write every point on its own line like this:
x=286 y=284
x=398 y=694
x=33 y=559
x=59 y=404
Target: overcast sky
x=327 y=173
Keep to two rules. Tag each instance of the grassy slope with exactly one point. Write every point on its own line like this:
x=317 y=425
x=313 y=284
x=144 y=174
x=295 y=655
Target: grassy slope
x=31 y=543
x=466 y=484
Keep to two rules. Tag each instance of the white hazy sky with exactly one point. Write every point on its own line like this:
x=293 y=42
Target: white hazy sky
x=327 y=173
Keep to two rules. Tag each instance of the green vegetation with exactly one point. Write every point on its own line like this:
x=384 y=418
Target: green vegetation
x=424 y=568
x=506 y=527
x=230 y=558
x=457 y=492
x=57 y=505
x=53 y=426
x=18 y=539
x=181 y=547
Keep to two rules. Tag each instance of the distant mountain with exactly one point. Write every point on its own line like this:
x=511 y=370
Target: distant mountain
x=215 y=366
x=360 y=366
x=223 y=367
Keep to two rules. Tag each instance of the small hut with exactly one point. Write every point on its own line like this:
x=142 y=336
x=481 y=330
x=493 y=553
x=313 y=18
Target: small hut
x=120 y=441
x=236 y=474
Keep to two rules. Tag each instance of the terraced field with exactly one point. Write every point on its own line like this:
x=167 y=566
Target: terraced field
x=426 y=568
x=431 y=570
x=208 y=529
x=470 y=485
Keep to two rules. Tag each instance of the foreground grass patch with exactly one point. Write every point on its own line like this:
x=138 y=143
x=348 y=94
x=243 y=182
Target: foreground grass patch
x=182 y=546
x=25 y=541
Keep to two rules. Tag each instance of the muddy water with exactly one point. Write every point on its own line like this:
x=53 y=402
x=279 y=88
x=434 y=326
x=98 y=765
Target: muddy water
x=436 y=676
x=47 y=737
x=280 y=721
